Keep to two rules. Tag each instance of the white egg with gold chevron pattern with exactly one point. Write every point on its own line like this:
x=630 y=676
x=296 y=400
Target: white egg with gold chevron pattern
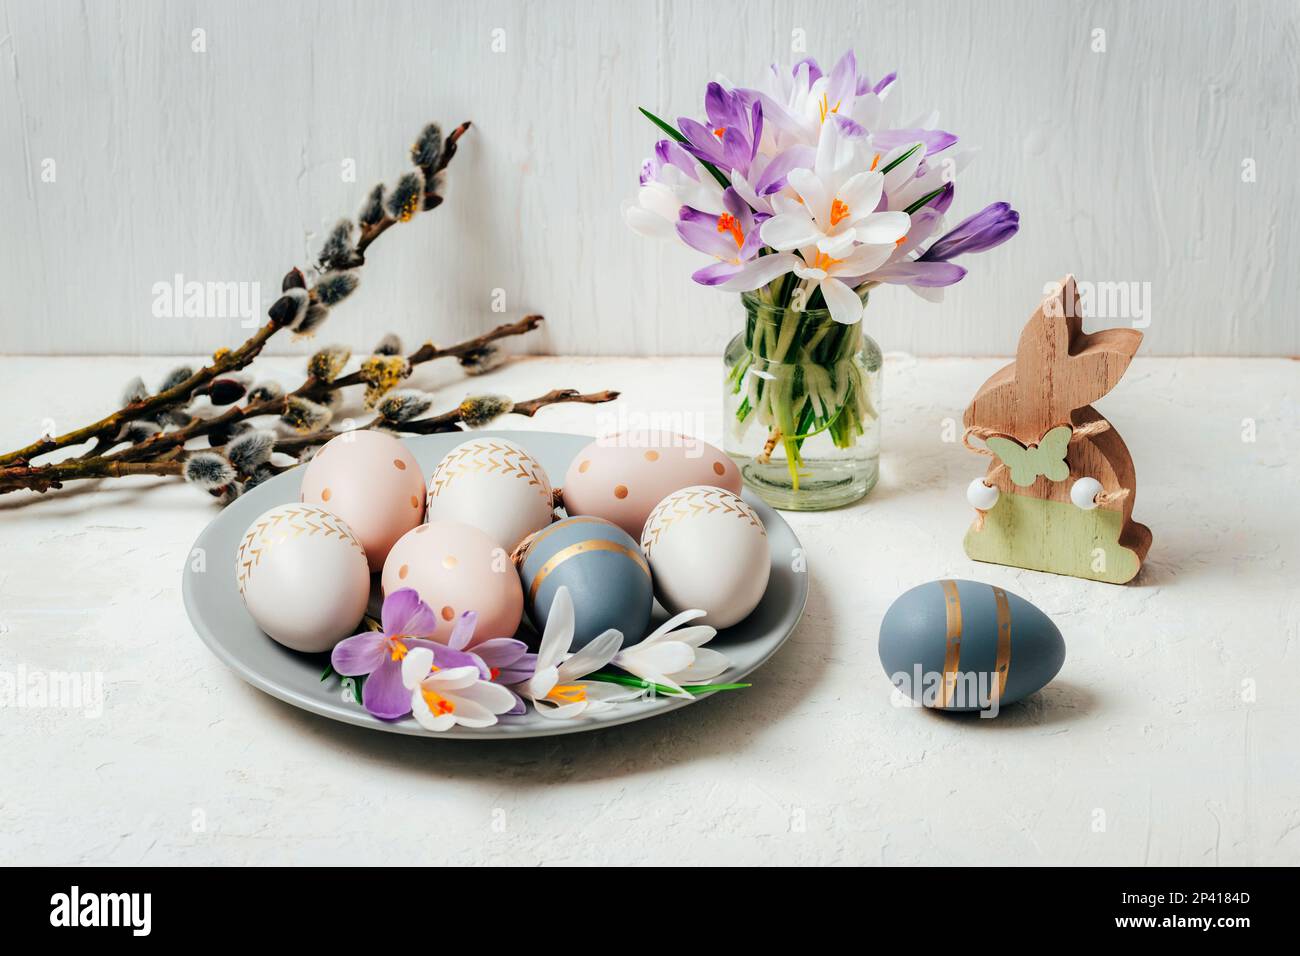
x=708 y=550
x=494 y=485
x=303 y=575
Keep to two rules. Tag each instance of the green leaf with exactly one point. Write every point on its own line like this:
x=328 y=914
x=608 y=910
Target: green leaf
x=672 y=131
x=329 y=672
x=894 y=162
x=923 y=200
x=660 y=689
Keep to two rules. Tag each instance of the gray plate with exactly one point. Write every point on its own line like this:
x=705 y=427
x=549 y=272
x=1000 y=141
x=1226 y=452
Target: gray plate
x=217 y=612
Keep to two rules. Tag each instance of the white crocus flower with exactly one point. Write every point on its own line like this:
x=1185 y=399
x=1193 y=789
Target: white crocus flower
x=659 y=200
x=796 y=106
x=443 y=698
x=829 y=274
x=675 y=657
x=556 y=687
x=836 y=204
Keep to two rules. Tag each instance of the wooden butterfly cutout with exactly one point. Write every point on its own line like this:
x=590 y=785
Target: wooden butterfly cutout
x=1027 y=462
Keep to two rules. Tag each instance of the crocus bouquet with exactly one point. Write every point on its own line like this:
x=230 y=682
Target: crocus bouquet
x=807 y=193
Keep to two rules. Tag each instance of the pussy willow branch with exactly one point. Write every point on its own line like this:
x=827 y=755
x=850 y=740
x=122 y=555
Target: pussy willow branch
x=448 y=421
x=313 y=388
x=225 y=360
x=42 y=478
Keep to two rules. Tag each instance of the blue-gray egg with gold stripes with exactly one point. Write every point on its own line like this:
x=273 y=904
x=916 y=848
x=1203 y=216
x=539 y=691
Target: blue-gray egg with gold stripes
x=604 y=570
x=961 y=645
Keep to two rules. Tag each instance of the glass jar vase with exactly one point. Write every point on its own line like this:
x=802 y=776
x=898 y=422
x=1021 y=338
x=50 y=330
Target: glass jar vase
x=801 y=406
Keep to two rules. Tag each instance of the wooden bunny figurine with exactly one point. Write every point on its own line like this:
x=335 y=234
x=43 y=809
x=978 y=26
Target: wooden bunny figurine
x=1058 y=494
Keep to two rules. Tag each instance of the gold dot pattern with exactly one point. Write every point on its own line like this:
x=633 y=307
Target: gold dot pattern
x=399 y=464
x=652 y=456
x=620 y=491
x=415 y=501
x=447 y=613
x=325 y=495
x=403 y=571
x=582 y=469
x=449 y=562
x=719 y=468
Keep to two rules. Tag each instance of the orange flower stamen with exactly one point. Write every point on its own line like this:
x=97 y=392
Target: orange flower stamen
x=398 y=648
x=825 y=109
x=839 y=212
x=729 y=223
x=824 y=262
x=874 y=163
x=568 y=693
x=720 y=132
x=440 y=705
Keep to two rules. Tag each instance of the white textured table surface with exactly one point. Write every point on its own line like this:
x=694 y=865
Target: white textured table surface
x=1168 y=737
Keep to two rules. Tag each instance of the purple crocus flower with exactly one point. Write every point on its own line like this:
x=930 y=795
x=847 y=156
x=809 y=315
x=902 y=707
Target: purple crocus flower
x=884 y=83
x=735 y=129
x=814 y=71
x=991 y=226
x=407 y=622
x=502 y=660
x=733 y=238
x=934 y=140
x=667 y=153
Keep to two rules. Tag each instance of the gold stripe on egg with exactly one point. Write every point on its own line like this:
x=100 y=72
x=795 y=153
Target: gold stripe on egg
x=582 y=547
x=1004 y=639
x=952 y=647
x=539 y=536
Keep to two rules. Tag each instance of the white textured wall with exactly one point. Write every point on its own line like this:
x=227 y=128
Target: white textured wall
x=1126 y=165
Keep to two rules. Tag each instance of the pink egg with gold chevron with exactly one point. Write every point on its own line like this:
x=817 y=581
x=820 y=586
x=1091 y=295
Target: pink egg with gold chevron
x=303 y=576
x=494 y=485
x=622 y=477
x=371 y=481
x=707 y=549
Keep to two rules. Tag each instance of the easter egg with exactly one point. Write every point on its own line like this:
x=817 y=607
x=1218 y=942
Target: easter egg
x=371 y=481
x=303 y=576
x=621 y=478
x=954 y=645
x=457 y=568
x=494 y=485
x=708 y=550
x=602 y=567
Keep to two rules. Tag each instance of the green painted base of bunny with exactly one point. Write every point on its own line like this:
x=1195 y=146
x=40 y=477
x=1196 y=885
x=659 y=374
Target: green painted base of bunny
x=1054 y=536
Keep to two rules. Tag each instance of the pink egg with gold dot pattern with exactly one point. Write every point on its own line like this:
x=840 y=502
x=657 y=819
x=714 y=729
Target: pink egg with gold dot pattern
x=457 y=568
x=622 y=477
x=371 y=481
